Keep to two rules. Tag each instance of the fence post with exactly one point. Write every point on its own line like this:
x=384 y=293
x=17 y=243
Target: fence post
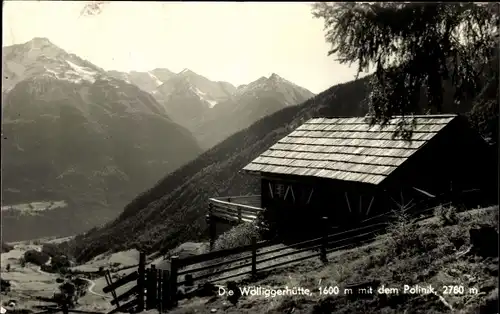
x=174 y=265
x=109 y=281
x=159 y=293
x=151 y=298
x=65 y=308
x=254 y=257
x=165 y=290
x=239 y=214
x=324 y=239
x=140 y=281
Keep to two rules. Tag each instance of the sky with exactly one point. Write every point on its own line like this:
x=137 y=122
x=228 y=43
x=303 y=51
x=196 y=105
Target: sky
x=237 y=42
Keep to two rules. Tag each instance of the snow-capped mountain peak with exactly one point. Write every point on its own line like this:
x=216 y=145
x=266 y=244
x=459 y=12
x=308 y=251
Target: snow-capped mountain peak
x=40 y=58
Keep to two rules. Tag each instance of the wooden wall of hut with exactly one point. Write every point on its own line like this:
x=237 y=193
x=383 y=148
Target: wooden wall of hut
x=456 y=160
x=303 y=201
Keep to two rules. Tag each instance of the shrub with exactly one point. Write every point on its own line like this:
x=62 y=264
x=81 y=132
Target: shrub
x=52 y=249
x=237 y=236
x=60 y=262
x=403 y=234
x=5 y=285
x=447 y=215
x=267 y=224
x=35 y=257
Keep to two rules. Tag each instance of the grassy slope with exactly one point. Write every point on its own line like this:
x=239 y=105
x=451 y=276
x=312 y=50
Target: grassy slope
x=172 y=211
x=426 y=254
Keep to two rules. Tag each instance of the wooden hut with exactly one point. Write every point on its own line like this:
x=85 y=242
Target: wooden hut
x=348 y=171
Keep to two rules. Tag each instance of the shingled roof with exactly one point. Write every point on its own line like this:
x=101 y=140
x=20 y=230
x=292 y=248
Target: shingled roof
x=346 y=149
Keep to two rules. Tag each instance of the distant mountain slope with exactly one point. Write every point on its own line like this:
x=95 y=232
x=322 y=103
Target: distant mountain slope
x=147 y=81
x=189 y=97
x=249 y=103
x=73 y=133
x=180 y=199
x=214 y=110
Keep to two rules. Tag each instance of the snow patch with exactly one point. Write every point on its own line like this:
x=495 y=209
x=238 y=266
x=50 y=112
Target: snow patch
x=83 y=73
x=52 y=72
x=199 y=92
x=203 y=96
x=156 y=79
x=212 y=103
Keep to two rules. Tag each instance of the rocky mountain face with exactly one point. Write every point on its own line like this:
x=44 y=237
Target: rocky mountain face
x=147 y=81
x=213 y=111
x=73 y=132
x=189 y=97
x=247 y=105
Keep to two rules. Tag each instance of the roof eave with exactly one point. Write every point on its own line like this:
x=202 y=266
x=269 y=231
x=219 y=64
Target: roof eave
x=250 y=172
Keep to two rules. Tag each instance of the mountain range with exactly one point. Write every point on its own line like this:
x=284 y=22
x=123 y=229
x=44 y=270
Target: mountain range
x=94 y=139
x=214 y=110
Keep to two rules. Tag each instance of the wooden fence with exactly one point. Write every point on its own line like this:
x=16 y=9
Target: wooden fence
x=150 y=291
x=59 y=306
x=158 y=288
x=237 y=208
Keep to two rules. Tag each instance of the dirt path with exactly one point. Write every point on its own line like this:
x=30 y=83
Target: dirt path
x=39 y=270
x=91 y=287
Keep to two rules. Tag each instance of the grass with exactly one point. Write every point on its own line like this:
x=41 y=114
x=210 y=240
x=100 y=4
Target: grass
x=430 y=253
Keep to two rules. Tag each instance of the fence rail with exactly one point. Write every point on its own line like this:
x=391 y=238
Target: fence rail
x=156 y=288
x=59 y=305
x=235 y=208
x=151 y=290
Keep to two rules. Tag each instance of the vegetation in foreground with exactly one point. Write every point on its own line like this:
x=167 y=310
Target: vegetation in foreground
x=436 y=252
